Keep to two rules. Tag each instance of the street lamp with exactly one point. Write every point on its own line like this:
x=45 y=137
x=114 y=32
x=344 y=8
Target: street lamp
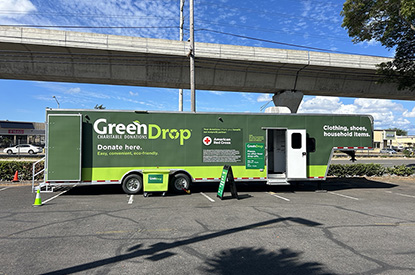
x=57 y=101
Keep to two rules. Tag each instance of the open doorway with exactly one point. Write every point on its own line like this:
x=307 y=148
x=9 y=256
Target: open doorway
x=287 y=153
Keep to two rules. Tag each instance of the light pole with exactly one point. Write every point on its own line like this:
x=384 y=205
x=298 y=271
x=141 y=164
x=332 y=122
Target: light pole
x=192 y=59
x=181 y=39
x=57 y=102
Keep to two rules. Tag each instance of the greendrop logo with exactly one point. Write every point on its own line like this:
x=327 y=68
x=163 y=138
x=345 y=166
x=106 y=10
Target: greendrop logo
x=152 y=131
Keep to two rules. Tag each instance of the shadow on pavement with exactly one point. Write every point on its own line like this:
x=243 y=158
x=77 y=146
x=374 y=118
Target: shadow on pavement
x=335 y=184
x=331 y=184
x=224 y=262
x=248 y=260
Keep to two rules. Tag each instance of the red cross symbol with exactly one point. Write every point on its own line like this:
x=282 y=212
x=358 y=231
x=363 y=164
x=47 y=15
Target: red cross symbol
x=207 y=140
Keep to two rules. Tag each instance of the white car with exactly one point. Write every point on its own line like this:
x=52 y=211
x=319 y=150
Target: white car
x=23 y=148
x=388 y=151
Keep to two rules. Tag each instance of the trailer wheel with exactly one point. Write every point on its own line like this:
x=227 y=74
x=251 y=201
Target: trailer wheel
x=132 y=184
x=179 y=182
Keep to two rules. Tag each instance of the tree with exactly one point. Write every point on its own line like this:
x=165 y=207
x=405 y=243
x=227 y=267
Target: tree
x=392 y=23
x=399 y=132
x=99 y=107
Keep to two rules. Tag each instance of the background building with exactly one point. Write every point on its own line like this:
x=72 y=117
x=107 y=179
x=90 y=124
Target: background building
x=16 y=132
x=384 y=139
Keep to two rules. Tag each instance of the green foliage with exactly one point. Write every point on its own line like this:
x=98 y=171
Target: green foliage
x=356 y=170
x=359 y=170
x=100 y=107
x=400 y=170
x=407 y=153
x=374 y=170
x=392 y=23
x=399 y=132
x=24 y=168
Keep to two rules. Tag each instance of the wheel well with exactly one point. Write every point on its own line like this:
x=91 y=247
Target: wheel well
x=139 y=173
x=182 y=172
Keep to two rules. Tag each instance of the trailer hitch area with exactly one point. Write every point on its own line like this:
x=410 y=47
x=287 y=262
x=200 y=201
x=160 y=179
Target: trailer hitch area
x=185 y=190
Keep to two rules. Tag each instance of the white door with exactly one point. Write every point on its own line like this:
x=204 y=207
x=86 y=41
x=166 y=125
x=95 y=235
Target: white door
x=296 y=154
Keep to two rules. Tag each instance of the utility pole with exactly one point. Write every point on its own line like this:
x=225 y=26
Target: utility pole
x=181 y=39
x=192 y=59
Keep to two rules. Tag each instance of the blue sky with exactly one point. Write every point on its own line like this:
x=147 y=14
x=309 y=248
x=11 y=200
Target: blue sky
x=306 y=23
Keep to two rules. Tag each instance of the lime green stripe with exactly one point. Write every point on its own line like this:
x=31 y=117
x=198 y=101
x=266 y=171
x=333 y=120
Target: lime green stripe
x=316 y=170
x=116 y=173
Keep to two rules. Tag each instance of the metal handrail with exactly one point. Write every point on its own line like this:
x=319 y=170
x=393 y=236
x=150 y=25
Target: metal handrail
x=35 y=174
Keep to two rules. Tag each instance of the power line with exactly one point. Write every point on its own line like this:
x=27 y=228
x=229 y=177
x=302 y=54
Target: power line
x=92 y=27
x=251 y=10
x=278 y=43
x=201 y=29
x=123 y=16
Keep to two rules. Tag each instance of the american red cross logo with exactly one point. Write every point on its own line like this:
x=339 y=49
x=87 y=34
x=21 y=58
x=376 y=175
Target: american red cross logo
x=207 y=140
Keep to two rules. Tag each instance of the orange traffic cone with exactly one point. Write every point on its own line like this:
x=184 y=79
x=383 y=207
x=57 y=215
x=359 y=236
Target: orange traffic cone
x=16 y=177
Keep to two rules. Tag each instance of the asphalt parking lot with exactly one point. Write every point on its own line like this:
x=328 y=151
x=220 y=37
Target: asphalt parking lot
x=359 y=226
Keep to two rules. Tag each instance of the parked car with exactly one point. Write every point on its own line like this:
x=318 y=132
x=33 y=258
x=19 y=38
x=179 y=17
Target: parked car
x=23 y=148
x=398 y=148
x=388 y=151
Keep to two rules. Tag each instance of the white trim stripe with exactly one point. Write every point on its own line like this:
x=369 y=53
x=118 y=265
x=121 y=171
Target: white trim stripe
x=348 y=148
x=244 y=178
x=81 y=182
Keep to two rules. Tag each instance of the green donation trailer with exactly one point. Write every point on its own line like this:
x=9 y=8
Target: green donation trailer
x=118 y=147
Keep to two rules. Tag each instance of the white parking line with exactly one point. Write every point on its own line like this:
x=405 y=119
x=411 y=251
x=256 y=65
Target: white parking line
x=5 y=188
x=344 y=196
x=130 y=201
x=399 y=194
x=54 y=197
x=206 y=196
x=275 y=195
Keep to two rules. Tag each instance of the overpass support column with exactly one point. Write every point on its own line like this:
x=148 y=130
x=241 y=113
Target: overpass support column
x=290 y=99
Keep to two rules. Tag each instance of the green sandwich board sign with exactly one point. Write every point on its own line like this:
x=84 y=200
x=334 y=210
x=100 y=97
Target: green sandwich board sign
x=227 y=177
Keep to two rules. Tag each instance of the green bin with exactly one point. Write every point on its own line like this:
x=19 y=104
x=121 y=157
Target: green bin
x=156 y=181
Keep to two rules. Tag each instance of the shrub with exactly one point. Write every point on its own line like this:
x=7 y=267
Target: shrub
x=24 y=168
x=400 y=170
x=407 y=153
x=356 y=170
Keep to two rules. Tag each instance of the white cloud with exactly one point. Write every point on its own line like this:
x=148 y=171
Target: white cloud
x=320 y=104
x=133 y=94
x=306 y=8
x=409 y=113
x=264 y=97
x=76 y=90
x=213 y=92
x=15 y=8
x=386 y=113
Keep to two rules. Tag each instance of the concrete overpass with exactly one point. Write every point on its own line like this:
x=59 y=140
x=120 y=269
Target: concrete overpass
x=51 y=55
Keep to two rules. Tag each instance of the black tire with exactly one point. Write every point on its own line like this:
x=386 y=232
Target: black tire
x=10 y=152
x=31 y=152
x=179 y=182
x=132 y=184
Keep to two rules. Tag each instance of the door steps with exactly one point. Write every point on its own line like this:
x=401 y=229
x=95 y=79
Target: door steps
x=277 y=179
